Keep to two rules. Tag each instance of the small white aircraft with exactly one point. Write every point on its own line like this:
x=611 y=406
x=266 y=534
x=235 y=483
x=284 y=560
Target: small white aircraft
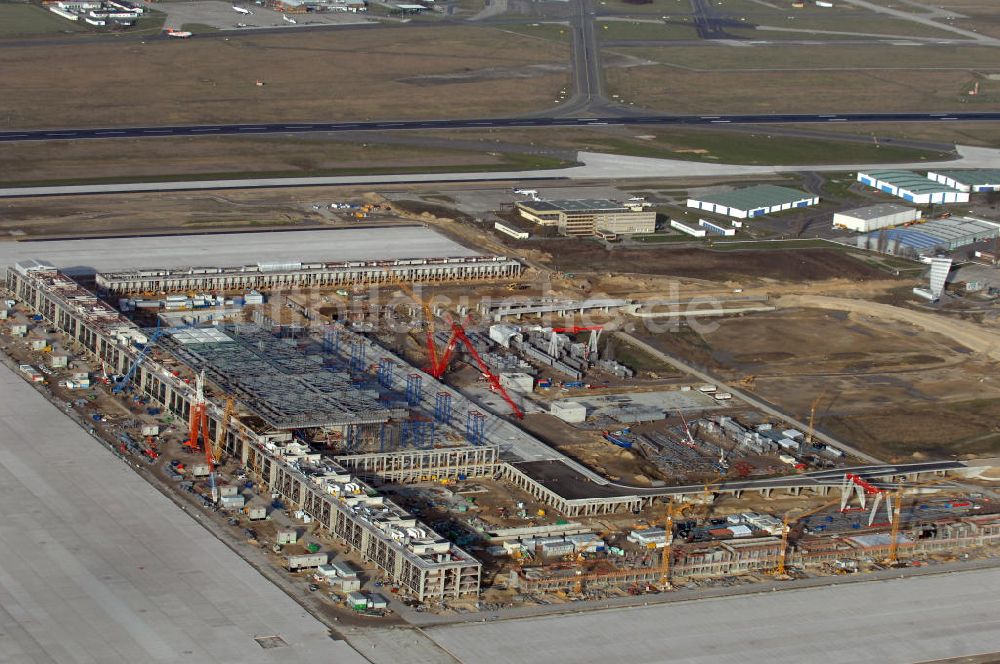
x=242 y=10
x=288 y=19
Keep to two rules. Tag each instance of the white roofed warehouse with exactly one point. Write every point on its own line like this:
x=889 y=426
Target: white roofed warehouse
x=753 y=201
x=874 y=217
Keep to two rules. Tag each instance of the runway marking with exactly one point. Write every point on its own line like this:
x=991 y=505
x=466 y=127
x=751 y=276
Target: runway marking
x=108 y=133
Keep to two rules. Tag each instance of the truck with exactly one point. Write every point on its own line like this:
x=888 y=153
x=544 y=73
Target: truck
x=617 y=438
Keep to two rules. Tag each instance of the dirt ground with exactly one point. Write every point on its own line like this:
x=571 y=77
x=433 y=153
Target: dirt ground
x=590 y=449
x=798 y=265
x=309 y=76
x=173 y=212
x=890 y=388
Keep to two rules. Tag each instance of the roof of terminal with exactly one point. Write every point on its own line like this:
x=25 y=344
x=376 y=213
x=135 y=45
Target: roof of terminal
x=759 y=196
x=575 y=205
x=909 y=180
x=974 y=177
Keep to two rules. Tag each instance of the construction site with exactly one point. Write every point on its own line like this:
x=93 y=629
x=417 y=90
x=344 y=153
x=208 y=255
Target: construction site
x=441 y=433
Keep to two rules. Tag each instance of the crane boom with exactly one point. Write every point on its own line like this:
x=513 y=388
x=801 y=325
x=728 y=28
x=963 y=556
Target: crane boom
x=459 y=333
x=432 y=356
x=223 y=430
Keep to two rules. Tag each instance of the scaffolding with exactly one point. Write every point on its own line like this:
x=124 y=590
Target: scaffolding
x=475 y=427
x=418 y=433
x=357 y=358
x=385 y=367
x=442 y=407
x=414 y=386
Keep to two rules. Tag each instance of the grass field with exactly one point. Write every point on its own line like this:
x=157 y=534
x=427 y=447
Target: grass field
x=552 y=31
x=816 y=58
x=308 y=76
x=231 y=157
x=760 y=148
x=668 y=89
x=17 y=19
x=672 y=8
x=680 y=29
x=984 y=134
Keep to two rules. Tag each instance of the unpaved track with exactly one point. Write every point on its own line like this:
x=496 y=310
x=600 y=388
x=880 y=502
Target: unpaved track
x=974 y=337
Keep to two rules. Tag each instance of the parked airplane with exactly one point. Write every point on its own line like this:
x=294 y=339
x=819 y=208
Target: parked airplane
x=180 y=34
x=288 y=19
x=242 y=10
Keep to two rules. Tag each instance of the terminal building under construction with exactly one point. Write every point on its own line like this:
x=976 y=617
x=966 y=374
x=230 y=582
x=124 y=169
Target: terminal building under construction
x=265 y=276
x=418 y=560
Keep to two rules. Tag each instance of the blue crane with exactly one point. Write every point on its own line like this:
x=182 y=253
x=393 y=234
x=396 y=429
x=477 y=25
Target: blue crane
x=124 y=381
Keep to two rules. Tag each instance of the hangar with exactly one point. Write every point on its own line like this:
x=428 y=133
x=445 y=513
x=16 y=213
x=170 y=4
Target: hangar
x=973 y=180
x=753 y=201
x=912 y=187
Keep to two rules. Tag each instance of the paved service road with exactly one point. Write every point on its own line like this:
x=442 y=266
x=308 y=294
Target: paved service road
x=918 y=619
x=592 y=89
x=98 y=566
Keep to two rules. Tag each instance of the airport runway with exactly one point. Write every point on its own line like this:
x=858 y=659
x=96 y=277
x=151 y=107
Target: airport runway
x=484 y=123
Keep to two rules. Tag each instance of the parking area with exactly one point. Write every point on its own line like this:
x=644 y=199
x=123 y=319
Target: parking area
x=206 y=15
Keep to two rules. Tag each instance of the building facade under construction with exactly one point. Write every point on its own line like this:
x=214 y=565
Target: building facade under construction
x=423 y=564
x=268 y=276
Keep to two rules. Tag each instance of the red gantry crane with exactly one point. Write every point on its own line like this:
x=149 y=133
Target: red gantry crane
x=458 y=336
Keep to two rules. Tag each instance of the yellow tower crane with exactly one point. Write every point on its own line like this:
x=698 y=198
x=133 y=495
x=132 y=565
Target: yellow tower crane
x=897 y=507
x=673 y=510
x=432 y=357
x=812 y=418
x=218 y=445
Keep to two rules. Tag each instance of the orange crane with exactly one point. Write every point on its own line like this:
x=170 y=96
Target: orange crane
x=458 y=334
x=199 y=428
